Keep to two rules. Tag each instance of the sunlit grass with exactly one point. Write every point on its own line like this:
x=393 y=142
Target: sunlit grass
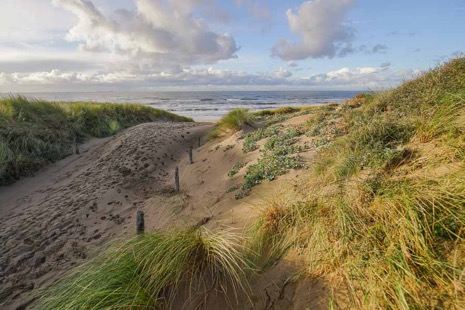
x=150 y=271
x=232 y=122
x=34 y=132
x=380 y=216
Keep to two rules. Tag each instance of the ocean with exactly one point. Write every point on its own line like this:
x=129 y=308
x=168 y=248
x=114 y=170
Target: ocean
x=204 y=105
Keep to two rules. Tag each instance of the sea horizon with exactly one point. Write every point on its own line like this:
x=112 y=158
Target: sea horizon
x=200 y=105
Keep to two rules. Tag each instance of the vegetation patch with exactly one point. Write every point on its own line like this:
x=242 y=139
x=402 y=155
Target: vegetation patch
x=250 y=140
x=228 y=147
x=232 y=122
x=277 y=157
x=236 y=168
x=151 y=270
x=34 y=133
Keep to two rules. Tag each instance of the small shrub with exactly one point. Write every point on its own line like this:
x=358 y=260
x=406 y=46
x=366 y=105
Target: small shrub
x=236 y=168
x=269 y=167
x=228 y=147
x=250 y=141
x=233 y=188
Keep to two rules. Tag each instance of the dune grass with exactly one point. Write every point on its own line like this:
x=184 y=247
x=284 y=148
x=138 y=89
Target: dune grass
x=150 y=271
x=34 y=133
x=232 y=122
x=381 y=214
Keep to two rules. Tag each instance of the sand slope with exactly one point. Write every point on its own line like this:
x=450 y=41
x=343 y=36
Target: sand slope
x=59 y=218
x=70 y=211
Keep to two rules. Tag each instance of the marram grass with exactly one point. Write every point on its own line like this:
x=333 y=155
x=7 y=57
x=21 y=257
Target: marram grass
x=150 y=271
x=232 y=122
x=381 y=214
x=34 y=132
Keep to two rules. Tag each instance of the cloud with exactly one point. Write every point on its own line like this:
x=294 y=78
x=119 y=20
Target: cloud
x=292 y=64
x=31 y=20
x=361 y=78
x=283 y=73
x=385 y=65
x=257 y=9
x=377 y=49
x=346 y=78
x=320 y=25
x=398 y=33
x=157 y=33
x=188 y=77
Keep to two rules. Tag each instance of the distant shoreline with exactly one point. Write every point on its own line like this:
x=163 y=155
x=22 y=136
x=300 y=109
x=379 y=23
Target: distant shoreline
x=204 y=105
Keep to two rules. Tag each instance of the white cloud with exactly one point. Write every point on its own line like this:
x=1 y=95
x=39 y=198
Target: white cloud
x=292 y=64
x=31 y=20
x=361 y=78
x=156 y=33
x=207 y=78
x=320 y=26
x=283 y=73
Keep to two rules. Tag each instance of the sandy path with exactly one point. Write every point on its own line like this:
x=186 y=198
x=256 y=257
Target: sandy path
x=57 y=219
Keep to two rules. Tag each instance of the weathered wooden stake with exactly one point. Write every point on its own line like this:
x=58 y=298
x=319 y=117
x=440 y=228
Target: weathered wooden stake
x=199 y=141
x=176 y=179
x=76 y=147
x=191 y=161
x=140 y=222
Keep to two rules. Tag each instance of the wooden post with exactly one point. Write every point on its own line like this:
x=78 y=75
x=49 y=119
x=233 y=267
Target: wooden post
x=140 y=222
x=176 y=179
x=191 y=161
x=76 y=145
x=199 y=141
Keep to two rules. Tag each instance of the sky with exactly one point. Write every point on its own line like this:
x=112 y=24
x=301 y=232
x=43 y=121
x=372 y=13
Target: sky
x=142 y=45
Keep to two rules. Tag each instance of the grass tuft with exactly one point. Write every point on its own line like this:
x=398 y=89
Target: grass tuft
x=232 y=122
x=151 y=271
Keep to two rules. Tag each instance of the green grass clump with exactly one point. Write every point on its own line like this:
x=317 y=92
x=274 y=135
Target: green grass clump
x=286 y=110
x=34 y=133
x=264 y=113
x=233 y=121
x=150 y=271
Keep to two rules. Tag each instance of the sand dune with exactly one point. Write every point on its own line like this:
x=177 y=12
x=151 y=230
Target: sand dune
x=59 y=218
